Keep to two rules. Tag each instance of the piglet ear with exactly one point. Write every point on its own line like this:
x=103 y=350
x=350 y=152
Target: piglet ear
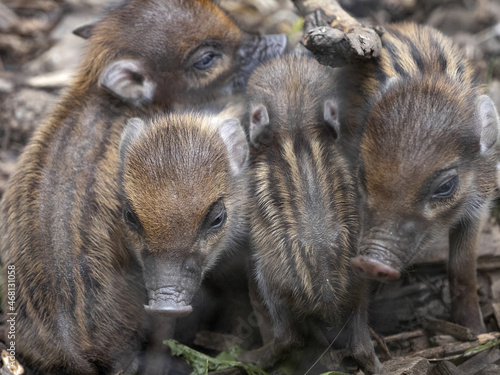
x=488 y=123
x=259 y=125
x=235 y=140
x=128 y=81
x=134 y=127
x=85 y=31
x=331 y=116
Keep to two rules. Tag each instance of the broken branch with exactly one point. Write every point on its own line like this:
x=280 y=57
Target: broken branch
x=334 y=37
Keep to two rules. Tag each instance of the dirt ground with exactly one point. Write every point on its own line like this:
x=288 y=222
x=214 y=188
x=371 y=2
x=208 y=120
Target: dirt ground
x=38 y=54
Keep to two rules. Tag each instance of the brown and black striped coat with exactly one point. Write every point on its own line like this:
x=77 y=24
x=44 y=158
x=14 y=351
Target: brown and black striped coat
x=79 y=290
x=410 y=53
x=421 y=137
x=303 y=209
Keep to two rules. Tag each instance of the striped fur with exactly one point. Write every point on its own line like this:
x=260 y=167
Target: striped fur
x=78 y=285
x=410 y=53
x=410 y=50
x=415 y=120
x=79 y=289
x=303 y=218
x=177 y=175
x=304 y=222
x=79 y=282
x=166 y=37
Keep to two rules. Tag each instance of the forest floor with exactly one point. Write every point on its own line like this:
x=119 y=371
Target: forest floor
x=38 y=55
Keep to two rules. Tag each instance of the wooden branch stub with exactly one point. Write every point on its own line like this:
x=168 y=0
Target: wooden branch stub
x=455 y=330
x=331 y=8
x=334 y=37
x=335 y=48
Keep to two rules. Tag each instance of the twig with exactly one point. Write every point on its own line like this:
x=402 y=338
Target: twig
x=403 y=336
x=455 y=330
x=454 y=350
x=382 y=344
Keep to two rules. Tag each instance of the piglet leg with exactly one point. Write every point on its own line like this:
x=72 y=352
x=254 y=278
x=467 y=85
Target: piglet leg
x=462 y=275
x=157 y=360
x=361 y=344
x=280 y=341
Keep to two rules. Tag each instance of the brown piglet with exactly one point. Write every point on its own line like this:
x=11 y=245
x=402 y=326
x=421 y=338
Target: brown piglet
x=421 y=135
x=302 y=213
x=80 y=289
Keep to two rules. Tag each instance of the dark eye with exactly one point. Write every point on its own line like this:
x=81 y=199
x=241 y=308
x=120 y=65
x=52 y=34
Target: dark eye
x=217 y=216
x=447 y=188
x=219 y=220
x=131 y=218
x=206 y=61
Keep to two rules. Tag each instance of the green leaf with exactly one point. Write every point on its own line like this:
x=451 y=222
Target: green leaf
x=202 y=363
x=480 y=348
x=231 y=354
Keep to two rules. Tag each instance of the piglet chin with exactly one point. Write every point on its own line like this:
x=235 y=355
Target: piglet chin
x=168 y=301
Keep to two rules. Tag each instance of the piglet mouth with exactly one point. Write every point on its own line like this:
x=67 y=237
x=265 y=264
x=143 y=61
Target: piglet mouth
x=169 y=301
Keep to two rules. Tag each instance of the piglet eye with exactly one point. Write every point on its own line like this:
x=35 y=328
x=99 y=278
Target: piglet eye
x=217 y=216
x=131 y=218
x=219 y=220
x=206 y=61
x=447 y=188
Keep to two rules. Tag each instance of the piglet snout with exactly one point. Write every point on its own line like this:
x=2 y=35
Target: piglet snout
x=168 y=301
x=373 y=268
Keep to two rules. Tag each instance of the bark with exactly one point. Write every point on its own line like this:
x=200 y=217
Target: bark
x=334 y=37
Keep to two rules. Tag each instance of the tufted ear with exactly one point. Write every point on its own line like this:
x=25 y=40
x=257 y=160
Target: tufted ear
x=235 y=140
x=331 y=116
x=259 y=130
x=488 y=123
x=134 y=127
x=128 y=81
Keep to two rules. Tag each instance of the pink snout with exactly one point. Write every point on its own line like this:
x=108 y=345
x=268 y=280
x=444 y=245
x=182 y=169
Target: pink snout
x=374 y=269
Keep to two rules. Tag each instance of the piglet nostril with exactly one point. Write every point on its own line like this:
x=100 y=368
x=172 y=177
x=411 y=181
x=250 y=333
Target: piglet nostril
x=388 y=275
x=373 y=268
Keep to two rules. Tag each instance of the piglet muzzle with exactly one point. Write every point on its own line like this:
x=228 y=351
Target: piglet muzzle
x=171 y=285
x=372 y=268
x=376 y=261
x=169 y=301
